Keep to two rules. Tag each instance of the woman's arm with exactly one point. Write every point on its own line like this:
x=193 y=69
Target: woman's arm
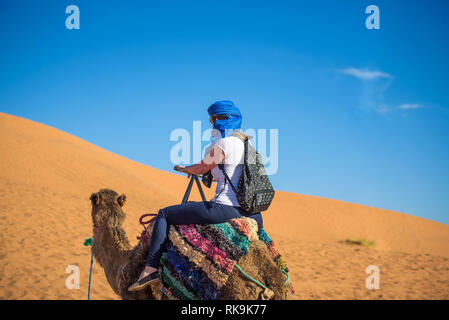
x=209 y=162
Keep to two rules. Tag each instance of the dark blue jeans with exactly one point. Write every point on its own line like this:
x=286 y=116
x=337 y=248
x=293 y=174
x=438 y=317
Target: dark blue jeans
x=190 y=213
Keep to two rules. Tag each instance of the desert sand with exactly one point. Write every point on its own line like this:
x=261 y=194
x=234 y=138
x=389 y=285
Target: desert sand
x=47 y=177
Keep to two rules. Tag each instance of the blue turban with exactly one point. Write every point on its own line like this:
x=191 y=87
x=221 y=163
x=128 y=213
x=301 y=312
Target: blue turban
x=234 y=120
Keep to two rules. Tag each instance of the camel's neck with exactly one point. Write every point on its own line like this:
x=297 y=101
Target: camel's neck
x=111 y=248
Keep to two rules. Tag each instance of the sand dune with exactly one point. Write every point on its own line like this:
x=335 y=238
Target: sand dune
x=47 y=176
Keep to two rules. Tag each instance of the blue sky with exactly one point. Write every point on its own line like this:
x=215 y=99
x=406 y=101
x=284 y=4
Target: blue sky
x=363 y=115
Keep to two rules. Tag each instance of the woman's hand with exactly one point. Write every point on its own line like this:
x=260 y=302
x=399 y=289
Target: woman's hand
x=182 y=169
x=215 y=157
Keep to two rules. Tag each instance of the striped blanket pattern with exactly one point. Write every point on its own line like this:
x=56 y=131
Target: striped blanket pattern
x=199 y=258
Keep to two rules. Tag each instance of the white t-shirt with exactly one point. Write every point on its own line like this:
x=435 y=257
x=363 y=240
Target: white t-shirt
x=233 y=149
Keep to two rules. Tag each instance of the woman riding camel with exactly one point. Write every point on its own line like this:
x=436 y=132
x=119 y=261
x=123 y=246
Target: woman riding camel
x=229 y=150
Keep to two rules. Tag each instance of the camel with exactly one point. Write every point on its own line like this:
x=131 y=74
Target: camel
x=122 y=263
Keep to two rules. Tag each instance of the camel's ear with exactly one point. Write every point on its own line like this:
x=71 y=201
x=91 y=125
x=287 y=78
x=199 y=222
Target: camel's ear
x=121 y=200
x=95 y=198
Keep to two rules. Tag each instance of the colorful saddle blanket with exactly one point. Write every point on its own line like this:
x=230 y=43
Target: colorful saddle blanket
x=199 y=258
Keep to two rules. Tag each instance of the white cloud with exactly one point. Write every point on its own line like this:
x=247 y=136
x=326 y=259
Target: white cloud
x=383 y=109
x=372 y=92
x=410 y=106
x=364 y=74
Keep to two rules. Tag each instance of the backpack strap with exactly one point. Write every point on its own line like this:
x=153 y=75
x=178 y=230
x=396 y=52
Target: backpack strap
x=221 y=166
x=245 y=139
x=241 y=136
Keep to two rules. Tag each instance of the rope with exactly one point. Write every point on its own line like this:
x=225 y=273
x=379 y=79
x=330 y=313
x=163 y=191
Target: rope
x=288 y=276
x=144 y=235
x=251 y=278
x=257 y=282
x=88 y=242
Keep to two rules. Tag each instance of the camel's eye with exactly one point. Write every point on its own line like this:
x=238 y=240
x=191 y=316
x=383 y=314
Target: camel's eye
x=121 y=200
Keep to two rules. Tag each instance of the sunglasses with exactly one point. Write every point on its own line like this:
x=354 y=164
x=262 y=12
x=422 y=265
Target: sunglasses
x=218 y=117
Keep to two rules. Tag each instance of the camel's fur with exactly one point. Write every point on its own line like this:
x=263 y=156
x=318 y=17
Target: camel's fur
x=122 y=264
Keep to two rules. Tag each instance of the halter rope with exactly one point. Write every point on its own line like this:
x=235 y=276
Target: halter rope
x=144 y=235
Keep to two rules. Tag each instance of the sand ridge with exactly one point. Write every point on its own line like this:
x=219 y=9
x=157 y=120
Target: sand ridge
x=47 y=176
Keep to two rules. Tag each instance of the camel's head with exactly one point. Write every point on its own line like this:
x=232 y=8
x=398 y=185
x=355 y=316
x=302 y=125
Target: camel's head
x=107 y=208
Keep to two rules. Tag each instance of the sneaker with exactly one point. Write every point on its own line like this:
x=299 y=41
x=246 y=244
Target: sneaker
x=144 y=282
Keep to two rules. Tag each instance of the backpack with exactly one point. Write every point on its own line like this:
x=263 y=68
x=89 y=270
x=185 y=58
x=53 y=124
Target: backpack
x=254 y=190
